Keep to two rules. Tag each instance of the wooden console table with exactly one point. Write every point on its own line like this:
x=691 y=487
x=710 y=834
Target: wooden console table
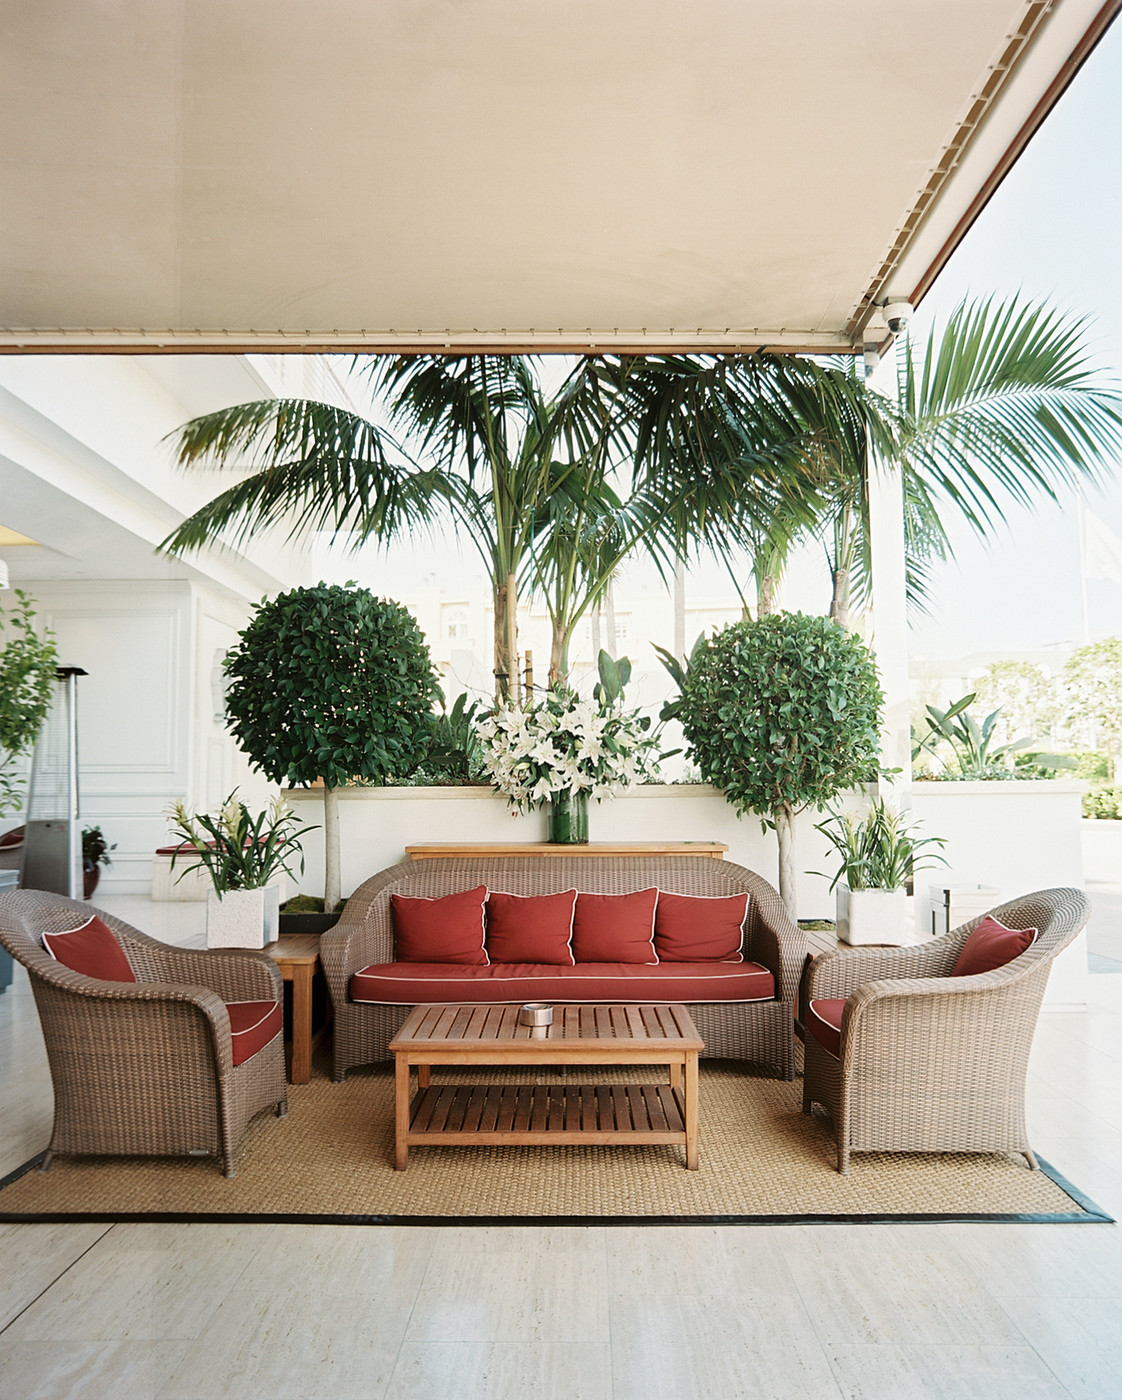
x=432 y=849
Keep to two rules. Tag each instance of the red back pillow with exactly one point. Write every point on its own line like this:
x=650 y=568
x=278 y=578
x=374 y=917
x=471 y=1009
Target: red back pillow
x=991 y=945
x=448 y=929
x=531 y=928
x=91 y=949
x=617 y=928
x=700 y=928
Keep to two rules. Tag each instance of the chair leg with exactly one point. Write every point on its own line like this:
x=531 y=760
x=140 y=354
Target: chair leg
x=48 y=1157
x=282 y=1108
x=807 y=1101
x=230 y=1170
x=843 y=1157
x=1030 y=1158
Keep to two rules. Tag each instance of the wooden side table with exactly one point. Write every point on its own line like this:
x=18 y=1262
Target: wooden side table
x=434 y=849
x=297 y=956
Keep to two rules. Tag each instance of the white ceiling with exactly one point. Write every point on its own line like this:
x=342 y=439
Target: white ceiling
x=553 y=173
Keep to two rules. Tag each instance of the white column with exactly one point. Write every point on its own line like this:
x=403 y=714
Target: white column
x=889 y=602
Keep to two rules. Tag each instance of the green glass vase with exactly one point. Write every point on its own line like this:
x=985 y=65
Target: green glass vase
x=568 y=818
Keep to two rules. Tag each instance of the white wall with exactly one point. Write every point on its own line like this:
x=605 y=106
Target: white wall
x=149 y=731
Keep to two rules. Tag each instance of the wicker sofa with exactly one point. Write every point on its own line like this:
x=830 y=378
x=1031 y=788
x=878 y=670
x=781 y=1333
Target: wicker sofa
x=930 y=1062
x=759 y=1029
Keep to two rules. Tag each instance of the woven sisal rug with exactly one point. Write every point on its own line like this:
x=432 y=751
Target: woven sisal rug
x=331 y=1159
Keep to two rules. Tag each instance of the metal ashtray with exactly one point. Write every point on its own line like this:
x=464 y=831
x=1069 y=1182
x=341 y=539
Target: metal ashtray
x=536 y=1013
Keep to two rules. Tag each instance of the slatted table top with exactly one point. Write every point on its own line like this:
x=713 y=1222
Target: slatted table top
x=617 y=1029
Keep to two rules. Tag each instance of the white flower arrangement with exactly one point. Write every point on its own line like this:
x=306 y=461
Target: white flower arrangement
x=562 y=743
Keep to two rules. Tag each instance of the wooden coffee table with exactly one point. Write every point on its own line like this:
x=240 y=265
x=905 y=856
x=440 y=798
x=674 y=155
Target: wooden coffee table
x=511 y=1115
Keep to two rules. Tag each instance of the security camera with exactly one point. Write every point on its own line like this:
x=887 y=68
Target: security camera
x=897 y=314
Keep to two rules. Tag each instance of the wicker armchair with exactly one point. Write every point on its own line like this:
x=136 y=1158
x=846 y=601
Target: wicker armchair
x=145 y=1068
x=929 y=1062
x=759 y=1031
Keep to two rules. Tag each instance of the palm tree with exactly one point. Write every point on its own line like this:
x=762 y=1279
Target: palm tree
x=1001 y=404
x=660 y=453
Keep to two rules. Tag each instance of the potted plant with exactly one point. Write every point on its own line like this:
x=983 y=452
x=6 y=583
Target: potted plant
x=781 y=714
x=330 y=684
x=563 y=750
x=95 y=854
x=879 y=855
x=242 y=854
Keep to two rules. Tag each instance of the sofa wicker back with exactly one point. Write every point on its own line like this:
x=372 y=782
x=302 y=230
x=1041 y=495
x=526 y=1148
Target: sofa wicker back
x=929 y=1062
x=145 y=1068
x=364 y=935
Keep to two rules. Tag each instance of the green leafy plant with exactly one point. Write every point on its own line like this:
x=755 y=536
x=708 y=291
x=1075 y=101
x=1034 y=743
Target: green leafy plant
x=781 y=714
x=27 y=671
x=880 y=851
x=95 y=848
x=239 y=851
x=1103 y=804
x=331 y=684
x=455 y=754
x=975 y=752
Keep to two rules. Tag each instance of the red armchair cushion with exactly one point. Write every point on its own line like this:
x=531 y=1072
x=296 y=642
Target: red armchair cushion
x=531 y=928
x=700 y=928
x=615 y=928
x=825 y=1023
x=991 y=945
x=449 y=929
x=252 y=1025
x=413 y=984
x=91 y=949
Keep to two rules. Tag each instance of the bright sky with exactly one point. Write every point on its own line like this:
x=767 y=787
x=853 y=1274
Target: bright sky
x=1051 y=231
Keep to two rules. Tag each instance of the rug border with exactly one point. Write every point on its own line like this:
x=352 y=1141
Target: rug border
x=1090 y=1214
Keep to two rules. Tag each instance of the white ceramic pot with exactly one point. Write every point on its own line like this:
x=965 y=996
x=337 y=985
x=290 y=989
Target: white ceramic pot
x=874 y=916
x=242 y=918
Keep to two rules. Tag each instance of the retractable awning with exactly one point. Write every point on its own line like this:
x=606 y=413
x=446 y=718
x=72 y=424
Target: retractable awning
x=503 y=174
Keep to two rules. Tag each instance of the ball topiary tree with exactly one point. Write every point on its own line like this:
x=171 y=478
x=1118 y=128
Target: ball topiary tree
x=331 y=683
x=781 y=714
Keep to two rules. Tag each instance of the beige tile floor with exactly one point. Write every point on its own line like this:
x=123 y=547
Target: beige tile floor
x=880 y=1312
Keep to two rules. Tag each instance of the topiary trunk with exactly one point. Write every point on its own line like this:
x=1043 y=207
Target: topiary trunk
x=332 y=882
x=785 y=830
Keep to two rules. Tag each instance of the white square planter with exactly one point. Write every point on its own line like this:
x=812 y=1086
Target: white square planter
x=874 y=916
x=242 y=918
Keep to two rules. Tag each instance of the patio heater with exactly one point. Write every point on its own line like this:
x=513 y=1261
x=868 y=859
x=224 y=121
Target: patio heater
x=52 y=850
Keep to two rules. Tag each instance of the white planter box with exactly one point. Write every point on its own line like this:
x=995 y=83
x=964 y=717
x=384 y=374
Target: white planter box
x=874 y=916
x=242 y=918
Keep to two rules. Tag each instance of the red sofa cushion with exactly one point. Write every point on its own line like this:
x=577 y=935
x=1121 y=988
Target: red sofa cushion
x=991 y=945
x=535 y=928
x=700 y=928
x=825 y=1023
x=252 y=1025
x=412 y=984
x=91 y=949
x=448 y=929
x=615 y=928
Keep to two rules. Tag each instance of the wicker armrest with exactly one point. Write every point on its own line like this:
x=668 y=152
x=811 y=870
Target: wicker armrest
x=777 y=943
x=112 y=997
x=839 y=974
x=356 y=940
x=235 y=974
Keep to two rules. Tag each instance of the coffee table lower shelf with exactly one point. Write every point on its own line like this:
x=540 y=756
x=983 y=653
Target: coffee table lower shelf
x=525 y=1115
